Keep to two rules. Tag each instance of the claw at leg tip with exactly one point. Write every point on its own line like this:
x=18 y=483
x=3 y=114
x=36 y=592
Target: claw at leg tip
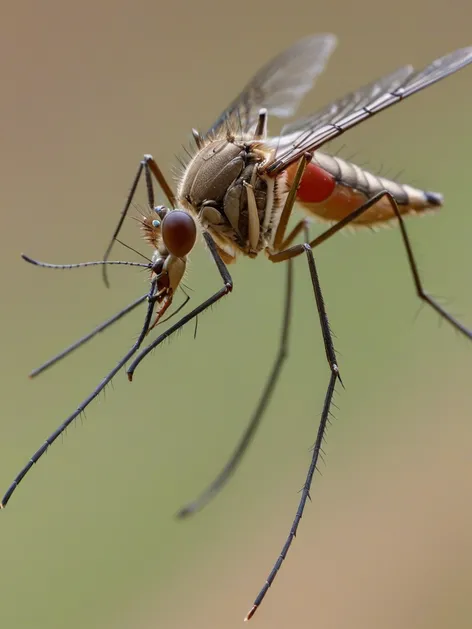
x=251 y=613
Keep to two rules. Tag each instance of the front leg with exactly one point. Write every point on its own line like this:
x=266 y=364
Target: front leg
x=227 y=288
x=149 y=166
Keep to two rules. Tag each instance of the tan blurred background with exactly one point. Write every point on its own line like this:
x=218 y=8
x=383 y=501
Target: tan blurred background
x=89 y=540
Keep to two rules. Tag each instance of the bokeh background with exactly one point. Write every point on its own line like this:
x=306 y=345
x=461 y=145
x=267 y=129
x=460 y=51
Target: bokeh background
x=90 y=538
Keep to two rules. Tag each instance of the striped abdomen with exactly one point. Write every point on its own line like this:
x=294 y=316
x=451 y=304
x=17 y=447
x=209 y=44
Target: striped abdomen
x=331 y=188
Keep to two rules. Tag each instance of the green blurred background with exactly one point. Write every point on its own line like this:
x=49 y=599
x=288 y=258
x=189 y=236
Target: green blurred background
x=90 y=540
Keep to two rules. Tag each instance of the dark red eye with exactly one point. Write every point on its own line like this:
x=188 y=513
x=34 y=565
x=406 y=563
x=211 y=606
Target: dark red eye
x=179 y=232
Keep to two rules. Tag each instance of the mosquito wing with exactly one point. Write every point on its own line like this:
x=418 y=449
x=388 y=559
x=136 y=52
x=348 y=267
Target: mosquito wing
x=311 y=133
x=280 y=85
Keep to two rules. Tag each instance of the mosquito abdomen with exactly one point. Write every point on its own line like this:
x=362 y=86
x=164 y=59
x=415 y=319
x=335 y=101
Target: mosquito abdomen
x=332 y=188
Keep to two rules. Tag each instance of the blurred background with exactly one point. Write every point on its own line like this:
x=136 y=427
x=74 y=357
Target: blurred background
x=90 y=539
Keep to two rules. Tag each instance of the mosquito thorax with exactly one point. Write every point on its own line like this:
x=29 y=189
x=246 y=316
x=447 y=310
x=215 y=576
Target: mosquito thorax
x=214 y=185
x=212 y=170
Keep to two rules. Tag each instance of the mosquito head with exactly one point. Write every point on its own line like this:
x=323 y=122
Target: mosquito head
x=177 y=235
x=175 y=229
x=178 y=231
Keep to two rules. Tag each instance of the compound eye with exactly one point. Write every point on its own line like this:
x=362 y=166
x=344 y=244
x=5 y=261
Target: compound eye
x=179 y=232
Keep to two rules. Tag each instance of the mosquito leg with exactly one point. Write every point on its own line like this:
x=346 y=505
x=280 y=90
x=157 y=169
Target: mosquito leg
x=149 y=166
x=306 y=230
x=289 y=202
x=124 y=212
x=305 y=495
x=103 y=326
x=302 y=226
x=230 y=467
x=161 y=180
x=422 y=294
x=83 y=405
x=331 y=357
x=227 y=288
x=295 y=251
x=177 y=310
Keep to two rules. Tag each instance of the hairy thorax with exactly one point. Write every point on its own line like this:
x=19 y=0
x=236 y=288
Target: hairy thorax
x=218 y=185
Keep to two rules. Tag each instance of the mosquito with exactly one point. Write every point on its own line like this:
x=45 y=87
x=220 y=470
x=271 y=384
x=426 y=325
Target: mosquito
x=238 y=192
